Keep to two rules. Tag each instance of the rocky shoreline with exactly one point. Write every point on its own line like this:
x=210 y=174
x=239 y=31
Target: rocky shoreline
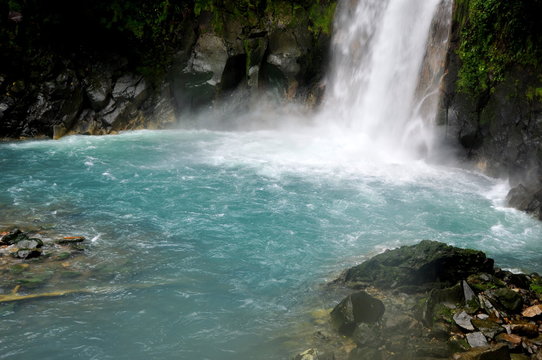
x=29 y=261
x=432 y=301
x=427 y=301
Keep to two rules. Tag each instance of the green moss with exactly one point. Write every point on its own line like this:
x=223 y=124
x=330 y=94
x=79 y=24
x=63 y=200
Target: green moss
x=443 y=313
x=534 y=94
x=321 y=17
x=316 y=15
x=496 y=35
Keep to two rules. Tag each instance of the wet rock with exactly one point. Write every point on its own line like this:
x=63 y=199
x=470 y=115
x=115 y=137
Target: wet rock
x=441 y=303
x=526 y=199
x=532 y=311
x=508 y=299
x=519 y=357
x=463 y=320
x=476 y=339
x=427 y=264
x=525 y=329
x=521 y=281
x=310 y=354
x=366 y=354
x=497 y=352
x=129 y=87
x=12 y=237
x=457 y=344
x=430 y=349
x=98 y=89
x=511 y=340
x=468 y=293
x=356 y=308
x=209 y=56
x=29 y=244
x=482 y=281
x=488 y=327
x=70 y=240
x=367 y=335
x=26 y=253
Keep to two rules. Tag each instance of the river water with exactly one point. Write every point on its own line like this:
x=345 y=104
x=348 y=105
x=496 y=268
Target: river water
x=217 y=243
x=209 y=243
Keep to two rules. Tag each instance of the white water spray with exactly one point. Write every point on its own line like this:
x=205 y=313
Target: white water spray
x=376 y=89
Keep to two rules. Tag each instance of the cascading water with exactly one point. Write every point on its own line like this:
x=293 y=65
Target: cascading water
x=379 y=47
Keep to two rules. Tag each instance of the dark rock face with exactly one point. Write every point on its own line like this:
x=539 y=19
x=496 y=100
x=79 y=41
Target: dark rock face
x=217 y=54
x=356 y=308
x=528 y=200
x=424 y=265
x=499 y=130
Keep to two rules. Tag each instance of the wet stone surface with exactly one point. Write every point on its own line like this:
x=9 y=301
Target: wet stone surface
x=484 y=313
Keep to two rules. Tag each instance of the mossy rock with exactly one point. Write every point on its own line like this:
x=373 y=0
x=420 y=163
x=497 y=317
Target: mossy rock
x=429 y=264
x=506 y=299
x=483 y=282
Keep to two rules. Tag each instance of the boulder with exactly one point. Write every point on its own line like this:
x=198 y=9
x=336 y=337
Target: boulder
x=524 y=328
x=489 y=328
x=506 y=299
x=70 y=240
x=526 y=199
x=359 y=307
x=26 y=253
x=476 y=339
x=29 y=244
x=12 y=237
x=429 y=264
x=310 y=354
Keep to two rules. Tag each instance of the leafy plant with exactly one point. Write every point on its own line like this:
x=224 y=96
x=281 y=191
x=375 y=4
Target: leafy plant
x=495 y=35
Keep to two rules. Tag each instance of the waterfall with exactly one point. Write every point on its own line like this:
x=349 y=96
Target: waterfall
x=385 y=72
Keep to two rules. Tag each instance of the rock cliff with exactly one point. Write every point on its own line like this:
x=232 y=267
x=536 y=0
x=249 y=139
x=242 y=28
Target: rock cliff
x=492 y=94
x=218 y=47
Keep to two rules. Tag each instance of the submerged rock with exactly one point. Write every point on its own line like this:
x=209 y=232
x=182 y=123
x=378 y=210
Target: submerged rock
x=498 y=352
x=70 y=240
x=428 y=264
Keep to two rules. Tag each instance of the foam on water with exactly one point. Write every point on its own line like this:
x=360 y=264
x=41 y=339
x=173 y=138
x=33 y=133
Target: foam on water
x=233 y=231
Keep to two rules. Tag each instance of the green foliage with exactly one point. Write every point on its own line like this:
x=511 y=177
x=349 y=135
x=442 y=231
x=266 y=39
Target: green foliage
x=495 y=35
x=537 y=288
x=321 y=17
x=319 y=13
x=534 y=93
x=146 y=32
